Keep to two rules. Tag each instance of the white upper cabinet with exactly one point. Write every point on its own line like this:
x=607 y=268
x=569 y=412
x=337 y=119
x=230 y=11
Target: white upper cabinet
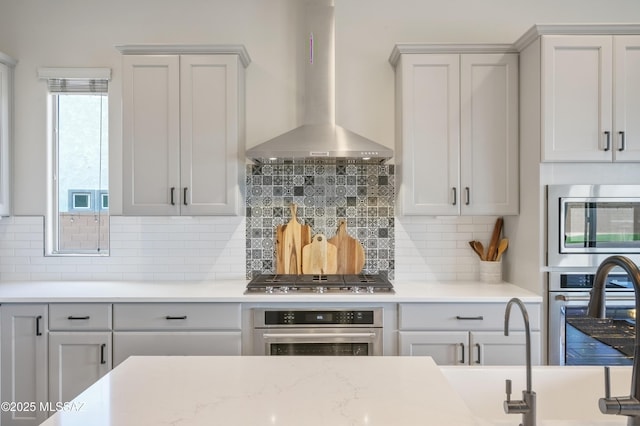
x=183 y=133
x=6 y=106
x=590 y=98
x=626 y=98
x=456 y=131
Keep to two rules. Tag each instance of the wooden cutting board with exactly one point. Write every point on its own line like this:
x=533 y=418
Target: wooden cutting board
x=319 y=257
x=350 y=253
x=290 y=239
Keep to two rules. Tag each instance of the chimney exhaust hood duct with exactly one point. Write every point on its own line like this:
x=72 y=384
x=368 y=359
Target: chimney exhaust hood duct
x=319 y=137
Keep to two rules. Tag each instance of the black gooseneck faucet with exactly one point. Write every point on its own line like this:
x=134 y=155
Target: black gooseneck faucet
x=527 y=405
x=627 y=405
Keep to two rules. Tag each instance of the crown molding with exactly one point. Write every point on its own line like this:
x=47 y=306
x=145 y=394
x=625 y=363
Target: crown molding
x=574 y=29
x=7 y=60
x=418 y=48
x=187 y=49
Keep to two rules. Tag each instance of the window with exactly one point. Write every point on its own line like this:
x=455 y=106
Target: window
x=78 y=208
x=81 y=200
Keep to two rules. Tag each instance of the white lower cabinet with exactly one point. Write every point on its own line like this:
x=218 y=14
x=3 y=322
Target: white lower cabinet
x=23 y=354
x=176 y=329
x=76 y=361
x=467 y=333
x=79 y=347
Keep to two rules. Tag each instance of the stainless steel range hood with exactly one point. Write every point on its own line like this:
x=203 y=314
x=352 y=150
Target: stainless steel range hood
x=319 y=136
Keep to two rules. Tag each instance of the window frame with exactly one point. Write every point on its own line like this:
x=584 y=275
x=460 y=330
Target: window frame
x=52 y=245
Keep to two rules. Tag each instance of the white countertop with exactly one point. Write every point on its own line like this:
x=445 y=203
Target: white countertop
x=233 y=291
x=284 y=391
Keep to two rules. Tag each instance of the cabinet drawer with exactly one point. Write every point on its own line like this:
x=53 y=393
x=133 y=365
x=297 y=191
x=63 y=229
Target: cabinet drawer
x=176 y=316
x=80 y=316
x=464 y=316
x=172 y=343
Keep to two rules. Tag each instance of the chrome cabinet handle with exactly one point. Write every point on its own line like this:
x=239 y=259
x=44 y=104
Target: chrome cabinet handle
x=622 y=141
x=172 y=192
x=184 y=196
x=607 y=145
x=38 y=319
x=467 y=195
x=102 y=357
x=455 y=196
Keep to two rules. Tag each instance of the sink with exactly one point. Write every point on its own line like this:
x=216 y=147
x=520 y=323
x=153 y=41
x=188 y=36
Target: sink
x=566 y=395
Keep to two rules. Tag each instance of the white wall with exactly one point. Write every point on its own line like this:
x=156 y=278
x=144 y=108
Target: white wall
x=72 y=33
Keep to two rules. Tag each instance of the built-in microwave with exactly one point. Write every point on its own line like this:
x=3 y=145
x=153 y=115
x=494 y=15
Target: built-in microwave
x=588 y=223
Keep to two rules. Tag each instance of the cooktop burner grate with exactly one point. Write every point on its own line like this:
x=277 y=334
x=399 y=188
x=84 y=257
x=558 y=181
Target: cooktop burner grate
x=331 y=283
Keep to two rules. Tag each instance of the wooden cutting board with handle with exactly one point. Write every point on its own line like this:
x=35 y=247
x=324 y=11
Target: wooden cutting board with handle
x=319 y=257
x=290 y=239
x=350 y=253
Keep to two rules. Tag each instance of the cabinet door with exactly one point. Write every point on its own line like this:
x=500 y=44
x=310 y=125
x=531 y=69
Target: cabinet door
x=494 y=348
x=210 y=164
x=626 y=105
x=489 y=134
x=5 y=134
x=151 y=134
x=446 y=348
x=24 y=361
x=126 y=344
x=76 y=361
x=577 y=98
x=429 y=143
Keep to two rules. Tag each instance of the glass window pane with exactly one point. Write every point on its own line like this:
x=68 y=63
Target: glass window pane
x=82 y=173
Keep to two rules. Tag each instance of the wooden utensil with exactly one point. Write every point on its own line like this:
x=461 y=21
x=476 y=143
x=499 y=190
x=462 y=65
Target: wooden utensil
x=478 y=248
x=504 y=243
x=350 y=253
x=319 y=257
x=495 y=239
x=290 y=239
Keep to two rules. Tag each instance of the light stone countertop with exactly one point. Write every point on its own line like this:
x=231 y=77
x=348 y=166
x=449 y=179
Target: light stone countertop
x=233 y=291
x=284 y=391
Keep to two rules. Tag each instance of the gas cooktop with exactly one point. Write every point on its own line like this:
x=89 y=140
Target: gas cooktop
x=320 y=284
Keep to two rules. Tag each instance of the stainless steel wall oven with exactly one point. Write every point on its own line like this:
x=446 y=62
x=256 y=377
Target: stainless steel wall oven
x=574 y=338
x=326 y=331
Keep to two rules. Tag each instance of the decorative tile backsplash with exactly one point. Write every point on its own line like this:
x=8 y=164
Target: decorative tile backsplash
x=325 y=193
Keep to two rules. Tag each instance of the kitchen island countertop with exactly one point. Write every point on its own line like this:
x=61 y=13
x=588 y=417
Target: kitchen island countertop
x=233 y=291
x=285 y=391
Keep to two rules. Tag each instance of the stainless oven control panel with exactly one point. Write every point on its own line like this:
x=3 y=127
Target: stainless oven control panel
x=338 y=317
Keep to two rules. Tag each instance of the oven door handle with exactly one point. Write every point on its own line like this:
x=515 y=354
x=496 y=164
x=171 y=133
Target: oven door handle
x=316 y=335
x=565 y=298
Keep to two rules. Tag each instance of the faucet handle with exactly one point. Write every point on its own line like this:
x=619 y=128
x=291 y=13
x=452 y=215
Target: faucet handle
x=515 y=406
x=607 y=404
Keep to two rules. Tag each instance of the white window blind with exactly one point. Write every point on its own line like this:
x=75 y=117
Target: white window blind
x=76 y=80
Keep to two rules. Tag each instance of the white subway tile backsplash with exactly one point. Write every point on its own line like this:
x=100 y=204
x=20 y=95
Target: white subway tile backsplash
x=142 y=248
x=436 y=248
